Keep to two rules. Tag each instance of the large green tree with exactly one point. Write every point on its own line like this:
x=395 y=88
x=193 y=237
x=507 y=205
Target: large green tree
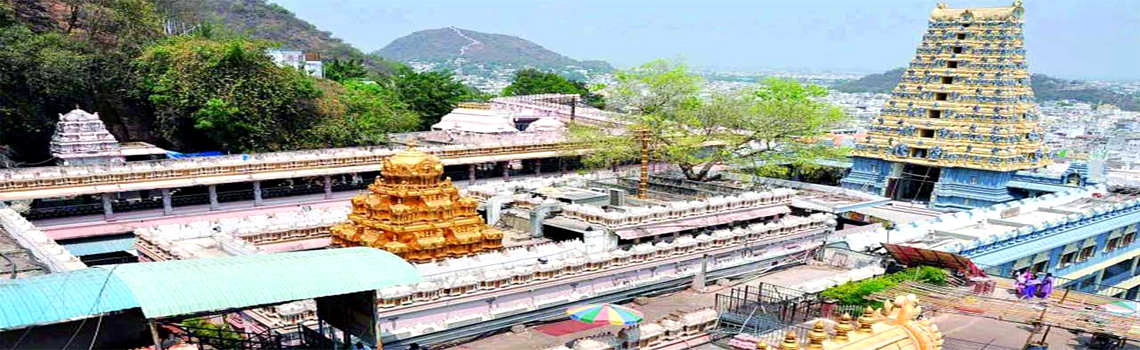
x=342 y=70
x=359 y=113
x=430 y=94
x=225 y=94
x=763 y=129
x=533 y=82
x=83 y=61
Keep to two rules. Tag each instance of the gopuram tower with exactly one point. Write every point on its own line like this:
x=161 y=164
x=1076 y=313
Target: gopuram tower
x=409 y=212
x=962 y=119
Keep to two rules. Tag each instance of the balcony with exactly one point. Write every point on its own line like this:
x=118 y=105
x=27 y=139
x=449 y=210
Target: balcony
x=1106 y=259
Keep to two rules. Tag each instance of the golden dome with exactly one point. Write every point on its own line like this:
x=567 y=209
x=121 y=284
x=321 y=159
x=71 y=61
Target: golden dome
x=412 y=162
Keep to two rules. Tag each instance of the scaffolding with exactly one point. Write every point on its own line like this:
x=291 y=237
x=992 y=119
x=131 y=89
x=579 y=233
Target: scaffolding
x=1071 y=310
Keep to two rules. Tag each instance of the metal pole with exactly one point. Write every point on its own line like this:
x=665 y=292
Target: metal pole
x=154 y=335
x=643 y=190
x=1063 y=298
x=573 y=108
x=1035 y=327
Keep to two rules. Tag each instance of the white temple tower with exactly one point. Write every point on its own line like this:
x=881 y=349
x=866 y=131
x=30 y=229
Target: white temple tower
x=81 y=138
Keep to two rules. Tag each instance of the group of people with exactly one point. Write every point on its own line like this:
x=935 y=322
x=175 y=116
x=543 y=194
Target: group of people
x=1030 y=285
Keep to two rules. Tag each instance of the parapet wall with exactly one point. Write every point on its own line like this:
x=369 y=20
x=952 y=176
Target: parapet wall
x=45 y=249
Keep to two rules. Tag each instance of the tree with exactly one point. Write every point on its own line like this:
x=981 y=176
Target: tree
x=225 y=94
x=338 y=70
x=762 y=129
x=85 y=64
x=533 y=82
x=358 y=114
x=430 y=94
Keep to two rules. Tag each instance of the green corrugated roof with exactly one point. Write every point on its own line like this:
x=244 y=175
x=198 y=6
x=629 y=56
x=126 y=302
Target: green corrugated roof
x=181 y=287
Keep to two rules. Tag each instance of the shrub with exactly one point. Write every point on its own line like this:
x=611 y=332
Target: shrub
x=856 y=292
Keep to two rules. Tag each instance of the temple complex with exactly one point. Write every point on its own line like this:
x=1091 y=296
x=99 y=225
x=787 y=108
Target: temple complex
x=411 y=213
x=962 y=120
x=81 y=138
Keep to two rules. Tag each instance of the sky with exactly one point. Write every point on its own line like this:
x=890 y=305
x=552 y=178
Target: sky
x=1096 y=39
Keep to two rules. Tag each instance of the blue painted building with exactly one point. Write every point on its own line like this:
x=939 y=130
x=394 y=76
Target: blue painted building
x=1084 y=236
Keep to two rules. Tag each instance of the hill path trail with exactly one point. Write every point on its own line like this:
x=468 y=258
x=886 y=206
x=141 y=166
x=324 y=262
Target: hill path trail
x=463 y=50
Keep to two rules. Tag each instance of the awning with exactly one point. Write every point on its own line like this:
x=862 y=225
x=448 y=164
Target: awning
x=87 y=247
x=699 y=222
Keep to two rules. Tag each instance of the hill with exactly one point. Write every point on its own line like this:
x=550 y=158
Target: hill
x=469 y=52
x=254 y=18
x=262 y=20
x=1045 y=88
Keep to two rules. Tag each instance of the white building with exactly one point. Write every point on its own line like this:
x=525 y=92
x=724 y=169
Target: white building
x=309 y=62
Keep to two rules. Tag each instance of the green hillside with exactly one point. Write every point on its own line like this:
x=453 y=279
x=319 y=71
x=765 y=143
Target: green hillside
x=262 y=20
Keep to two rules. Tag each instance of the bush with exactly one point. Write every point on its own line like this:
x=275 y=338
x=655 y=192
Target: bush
x=856 y=292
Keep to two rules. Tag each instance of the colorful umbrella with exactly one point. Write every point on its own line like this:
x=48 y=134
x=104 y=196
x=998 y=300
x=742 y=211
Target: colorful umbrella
x=605 y=314
x=1122 y=307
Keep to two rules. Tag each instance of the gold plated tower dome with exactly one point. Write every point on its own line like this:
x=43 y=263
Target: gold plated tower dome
x=410 y=212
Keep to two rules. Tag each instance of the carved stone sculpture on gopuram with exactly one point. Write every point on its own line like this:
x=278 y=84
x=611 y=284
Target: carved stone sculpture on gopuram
x=410 y=212
x=894 y=326
x=965 y=100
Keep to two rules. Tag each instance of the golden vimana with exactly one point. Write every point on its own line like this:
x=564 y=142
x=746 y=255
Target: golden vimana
x=410 y=212
x=965 y=100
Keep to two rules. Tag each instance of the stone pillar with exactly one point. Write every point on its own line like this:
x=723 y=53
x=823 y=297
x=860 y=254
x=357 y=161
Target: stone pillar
x=1132 y=271
x=108 y=211
x=538 y=166
x=213 y=189
x=257 y=193
x=328 y=186
x=167 y=207
x=506 y=170
x=471 y=174
x=699 y=277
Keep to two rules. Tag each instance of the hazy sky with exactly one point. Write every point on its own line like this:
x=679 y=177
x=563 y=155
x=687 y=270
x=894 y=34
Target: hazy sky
x=1072 y=39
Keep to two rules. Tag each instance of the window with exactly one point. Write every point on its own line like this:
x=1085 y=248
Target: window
x=918 y=152
x=950 y=64
x=927 y=133
x=1128 y=238
x=973 y=180
x=966 y=201
x=961 y=36
x=1088 y=282
x=948 y=80
x=1112 y=244
x=934 y=114
x=1041 y=266
x=1087 y=253
x=1068 y=258
x=956 y=49
x=940 y=96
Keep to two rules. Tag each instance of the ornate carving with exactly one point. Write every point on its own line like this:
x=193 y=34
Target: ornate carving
x=410 y=212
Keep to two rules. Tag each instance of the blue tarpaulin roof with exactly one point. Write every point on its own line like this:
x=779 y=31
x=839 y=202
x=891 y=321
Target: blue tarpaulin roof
x=174 y=155
x=183 y=287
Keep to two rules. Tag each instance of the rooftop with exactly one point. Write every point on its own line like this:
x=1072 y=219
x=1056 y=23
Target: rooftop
x=955 y=232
